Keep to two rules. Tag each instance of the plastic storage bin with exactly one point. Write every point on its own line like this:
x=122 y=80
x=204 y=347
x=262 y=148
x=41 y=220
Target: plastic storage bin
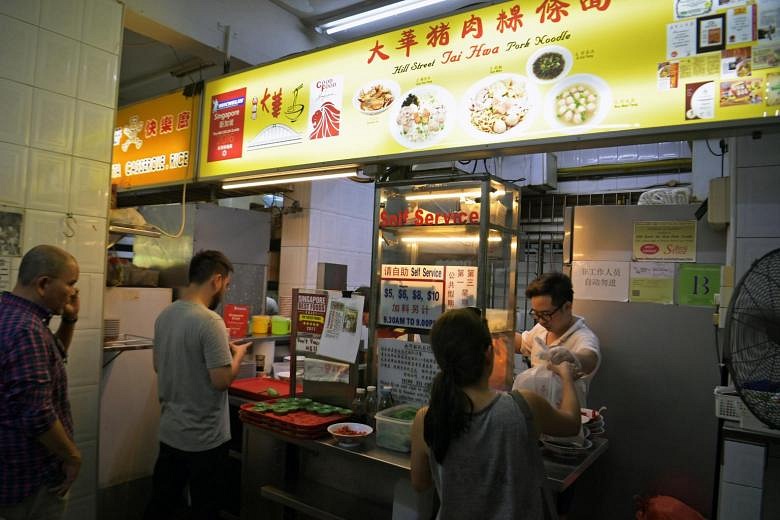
x=392 y=433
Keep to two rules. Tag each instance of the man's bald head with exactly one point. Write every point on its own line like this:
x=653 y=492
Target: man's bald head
x=43 y=260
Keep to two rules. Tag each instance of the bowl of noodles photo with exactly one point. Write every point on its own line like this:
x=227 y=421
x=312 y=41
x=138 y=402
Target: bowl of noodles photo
x=500 y=105
x=376 y=96
x=423 y=117
x=549 y=64
x=578 y=103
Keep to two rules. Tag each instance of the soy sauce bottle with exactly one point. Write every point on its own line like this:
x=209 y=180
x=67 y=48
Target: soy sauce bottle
x=359 y=405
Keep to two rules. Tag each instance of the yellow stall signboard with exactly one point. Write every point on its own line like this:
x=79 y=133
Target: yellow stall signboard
x=153 y=141
x=510 y=74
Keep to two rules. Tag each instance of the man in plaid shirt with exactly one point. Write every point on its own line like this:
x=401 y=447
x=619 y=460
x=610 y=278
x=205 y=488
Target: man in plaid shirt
x=38 y=459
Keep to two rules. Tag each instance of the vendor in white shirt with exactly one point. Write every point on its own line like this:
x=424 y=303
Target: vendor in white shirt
x=558 y=335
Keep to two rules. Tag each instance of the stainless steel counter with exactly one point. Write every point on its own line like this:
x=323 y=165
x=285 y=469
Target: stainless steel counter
x=288 y=470
x=266 y=337
x=127 y=342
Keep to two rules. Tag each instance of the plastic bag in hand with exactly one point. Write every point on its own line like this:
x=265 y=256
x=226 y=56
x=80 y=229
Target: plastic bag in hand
x=541 y=381
x=547 y=384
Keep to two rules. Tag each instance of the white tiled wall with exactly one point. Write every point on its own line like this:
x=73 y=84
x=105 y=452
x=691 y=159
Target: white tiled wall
x=757 y=199
x=15 y=105
x=335 y=227
x=58 y=88
x=13 y=173
x=19 y=43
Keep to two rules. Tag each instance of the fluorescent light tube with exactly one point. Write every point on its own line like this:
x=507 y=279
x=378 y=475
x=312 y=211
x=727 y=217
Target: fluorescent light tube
x=447 y=240
x=453 y=195
x=268 y=181
x=374 y=15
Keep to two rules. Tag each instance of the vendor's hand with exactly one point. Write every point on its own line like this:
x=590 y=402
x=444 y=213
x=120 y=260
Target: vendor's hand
x=71 y=309
x=560 y=355
x=239 y=348
x=565 y=370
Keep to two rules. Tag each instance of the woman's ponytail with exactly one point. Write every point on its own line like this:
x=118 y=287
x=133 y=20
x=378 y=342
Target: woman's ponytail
x=459 y=339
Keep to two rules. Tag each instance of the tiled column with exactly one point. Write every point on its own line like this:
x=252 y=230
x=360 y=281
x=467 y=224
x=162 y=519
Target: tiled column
x=335 y=227
x=59 y=68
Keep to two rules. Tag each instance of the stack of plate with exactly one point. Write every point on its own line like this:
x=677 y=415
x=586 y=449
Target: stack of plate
x=593 y=422
x=110 y=329
x=566 y=449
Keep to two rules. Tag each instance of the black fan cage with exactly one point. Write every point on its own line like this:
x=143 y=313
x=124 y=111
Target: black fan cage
x=752 y=349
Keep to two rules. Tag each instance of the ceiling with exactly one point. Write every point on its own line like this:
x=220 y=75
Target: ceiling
x=157 y=59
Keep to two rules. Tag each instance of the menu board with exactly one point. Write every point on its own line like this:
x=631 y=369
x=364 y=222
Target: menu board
x=409 y=368
x=153 y=141
x=517 y=72
x=411 y=295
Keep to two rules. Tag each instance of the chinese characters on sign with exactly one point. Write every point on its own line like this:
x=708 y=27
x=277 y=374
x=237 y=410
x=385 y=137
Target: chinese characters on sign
x=409 y=368
x=601 y=280
x=461 y=287
x=507 y=20
x=411 y=295
x=415 y=295
x=152 y=140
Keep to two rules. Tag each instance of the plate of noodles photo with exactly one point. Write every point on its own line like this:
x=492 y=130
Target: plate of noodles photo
x=500 y=105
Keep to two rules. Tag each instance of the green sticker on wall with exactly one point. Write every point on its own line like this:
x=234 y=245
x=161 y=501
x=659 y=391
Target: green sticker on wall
x=697 y=284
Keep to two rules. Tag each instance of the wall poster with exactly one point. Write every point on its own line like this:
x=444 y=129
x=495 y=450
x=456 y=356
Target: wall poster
x=697 y=284
x=310 y=309
x=596 y=280
x=652 y=282
x=409 y=368
x=11 y=231
x=665 y=240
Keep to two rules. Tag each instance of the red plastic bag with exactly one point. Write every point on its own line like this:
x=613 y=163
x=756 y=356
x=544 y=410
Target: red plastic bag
x=664 y=508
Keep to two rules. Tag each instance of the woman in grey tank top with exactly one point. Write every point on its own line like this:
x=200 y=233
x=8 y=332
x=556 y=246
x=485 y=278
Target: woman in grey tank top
x=477 y=446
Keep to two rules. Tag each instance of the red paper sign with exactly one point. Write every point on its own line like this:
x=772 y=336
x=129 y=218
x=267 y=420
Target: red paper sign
x=237 y=320
x=226 y=125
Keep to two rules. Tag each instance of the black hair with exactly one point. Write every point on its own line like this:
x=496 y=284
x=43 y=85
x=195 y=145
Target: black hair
x=43 y=260
x=206 y=264
x=555 y=285
x=459 y=339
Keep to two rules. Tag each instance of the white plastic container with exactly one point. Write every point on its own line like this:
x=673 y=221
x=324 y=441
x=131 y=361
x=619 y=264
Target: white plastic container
x=394 y=434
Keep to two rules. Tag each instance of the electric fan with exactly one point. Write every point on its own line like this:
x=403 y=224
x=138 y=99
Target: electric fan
x=752 y=346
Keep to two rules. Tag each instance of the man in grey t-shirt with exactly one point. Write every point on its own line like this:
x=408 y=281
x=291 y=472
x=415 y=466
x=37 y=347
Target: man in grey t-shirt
x=192 y=357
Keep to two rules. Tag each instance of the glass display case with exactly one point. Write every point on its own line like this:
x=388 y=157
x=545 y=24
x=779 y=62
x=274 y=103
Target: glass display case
x=442 y=243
